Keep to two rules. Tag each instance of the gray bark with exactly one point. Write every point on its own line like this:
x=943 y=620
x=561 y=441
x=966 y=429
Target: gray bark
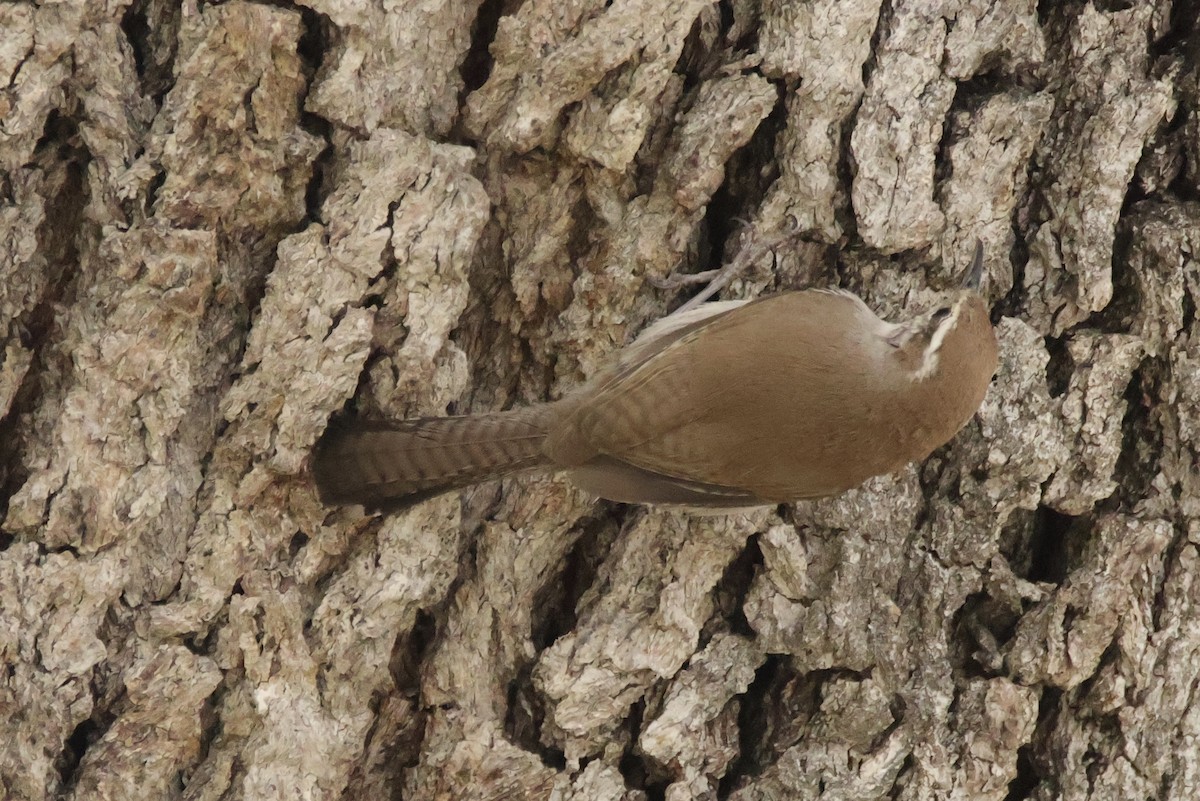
x=220 y=223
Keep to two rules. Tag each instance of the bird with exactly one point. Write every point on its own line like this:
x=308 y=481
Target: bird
x=736 y=404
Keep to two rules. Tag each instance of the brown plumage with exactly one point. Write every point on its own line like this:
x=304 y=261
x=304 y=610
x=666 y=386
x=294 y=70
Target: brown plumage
x=797 y=395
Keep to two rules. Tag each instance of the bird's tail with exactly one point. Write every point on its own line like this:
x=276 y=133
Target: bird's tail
x=392 y=465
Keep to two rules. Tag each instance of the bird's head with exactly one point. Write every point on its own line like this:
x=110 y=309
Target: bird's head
x=957 y=330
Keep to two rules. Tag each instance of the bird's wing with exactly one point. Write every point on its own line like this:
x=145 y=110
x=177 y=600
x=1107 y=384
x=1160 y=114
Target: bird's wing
x=567 y=445
x=670 y=328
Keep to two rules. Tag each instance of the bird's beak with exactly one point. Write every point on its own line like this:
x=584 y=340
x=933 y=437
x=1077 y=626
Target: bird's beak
x=974 y=276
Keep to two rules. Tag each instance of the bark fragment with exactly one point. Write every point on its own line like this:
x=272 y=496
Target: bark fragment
x=1087 y=159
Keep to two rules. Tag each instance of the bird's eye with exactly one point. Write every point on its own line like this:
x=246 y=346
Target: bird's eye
x=939 y=315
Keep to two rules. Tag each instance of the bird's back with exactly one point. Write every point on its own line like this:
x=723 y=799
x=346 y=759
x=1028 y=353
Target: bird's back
x=782 y=398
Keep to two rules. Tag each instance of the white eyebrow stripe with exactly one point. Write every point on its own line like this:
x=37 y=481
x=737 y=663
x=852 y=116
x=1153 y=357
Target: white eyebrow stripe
x=930 y=362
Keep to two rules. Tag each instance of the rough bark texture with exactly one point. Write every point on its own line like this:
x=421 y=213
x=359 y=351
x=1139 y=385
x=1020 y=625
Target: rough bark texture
x=221 y=222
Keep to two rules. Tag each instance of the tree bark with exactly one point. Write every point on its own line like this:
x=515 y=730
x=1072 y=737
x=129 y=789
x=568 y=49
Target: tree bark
x=224 y=224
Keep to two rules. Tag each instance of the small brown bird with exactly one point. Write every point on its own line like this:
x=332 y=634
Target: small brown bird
x=734 y=404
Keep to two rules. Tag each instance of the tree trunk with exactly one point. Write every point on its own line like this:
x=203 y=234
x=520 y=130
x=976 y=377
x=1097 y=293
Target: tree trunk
x=221 y=223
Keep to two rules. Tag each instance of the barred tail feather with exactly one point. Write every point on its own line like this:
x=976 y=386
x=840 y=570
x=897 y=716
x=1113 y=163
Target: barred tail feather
x=391 y=465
